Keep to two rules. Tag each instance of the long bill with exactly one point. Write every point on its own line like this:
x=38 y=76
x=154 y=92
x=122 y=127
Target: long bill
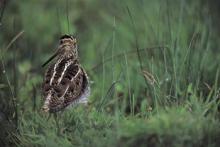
x=50 y=59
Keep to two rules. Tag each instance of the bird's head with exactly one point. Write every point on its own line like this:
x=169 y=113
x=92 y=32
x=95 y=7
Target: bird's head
x=67 y=48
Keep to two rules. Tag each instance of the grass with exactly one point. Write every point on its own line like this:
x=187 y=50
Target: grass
x=184 y=125
x=153 y=67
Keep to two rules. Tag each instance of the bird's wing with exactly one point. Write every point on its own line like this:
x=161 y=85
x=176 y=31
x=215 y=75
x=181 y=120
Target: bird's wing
x=79 y=89
x=46 y=83
x=57 y=81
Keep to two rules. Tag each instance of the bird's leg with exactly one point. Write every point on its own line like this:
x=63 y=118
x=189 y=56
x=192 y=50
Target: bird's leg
x=49 y=116
x=57 y=122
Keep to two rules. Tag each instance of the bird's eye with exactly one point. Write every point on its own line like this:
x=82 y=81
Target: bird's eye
x=61 y=41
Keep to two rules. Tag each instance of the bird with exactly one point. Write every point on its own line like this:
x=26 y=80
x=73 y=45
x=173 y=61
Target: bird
x=65 y=82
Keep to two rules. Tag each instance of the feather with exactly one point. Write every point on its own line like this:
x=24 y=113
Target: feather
x=65 y=82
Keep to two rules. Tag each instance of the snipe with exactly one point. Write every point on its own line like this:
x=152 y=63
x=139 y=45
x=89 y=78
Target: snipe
x=65 y=82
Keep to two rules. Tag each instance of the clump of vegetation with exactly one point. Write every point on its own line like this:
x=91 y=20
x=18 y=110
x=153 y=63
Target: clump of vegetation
x=153 y=66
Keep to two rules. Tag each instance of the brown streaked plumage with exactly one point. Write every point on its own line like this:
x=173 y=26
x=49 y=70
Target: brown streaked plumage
x=65 y=81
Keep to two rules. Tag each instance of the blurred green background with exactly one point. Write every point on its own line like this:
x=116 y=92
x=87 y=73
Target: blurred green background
x=153 y=65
